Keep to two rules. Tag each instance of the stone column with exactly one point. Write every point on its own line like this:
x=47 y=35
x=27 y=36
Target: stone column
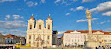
x=27 y=40
x=50 y=40
x=32 y=40
x=91 y=43
x=88 y=13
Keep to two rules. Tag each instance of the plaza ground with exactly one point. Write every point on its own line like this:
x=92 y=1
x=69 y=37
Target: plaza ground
x=66 y=48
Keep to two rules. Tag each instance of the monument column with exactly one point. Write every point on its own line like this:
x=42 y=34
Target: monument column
x=88 y=13
x=91 y=43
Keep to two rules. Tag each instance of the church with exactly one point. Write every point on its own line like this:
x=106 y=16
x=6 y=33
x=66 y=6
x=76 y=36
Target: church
x=37 y=34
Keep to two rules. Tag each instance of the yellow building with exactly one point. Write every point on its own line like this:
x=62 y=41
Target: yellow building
x=37 y=34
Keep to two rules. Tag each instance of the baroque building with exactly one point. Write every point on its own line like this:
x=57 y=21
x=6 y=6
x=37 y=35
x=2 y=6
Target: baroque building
x=37 y=34
x=78 y=38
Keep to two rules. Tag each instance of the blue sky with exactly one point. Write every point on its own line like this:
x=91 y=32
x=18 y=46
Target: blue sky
x=66 y=14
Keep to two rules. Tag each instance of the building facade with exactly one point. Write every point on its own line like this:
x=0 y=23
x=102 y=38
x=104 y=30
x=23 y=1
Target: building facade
x=37 y=34
x=54 y=37
x=75 y=38
x=2 y=39
x=13 y=39
x=59 y=42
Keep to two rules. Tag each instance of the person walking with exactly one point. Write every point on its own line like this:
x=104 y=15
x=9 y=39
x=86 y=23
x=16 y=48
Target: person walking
x=99 y=47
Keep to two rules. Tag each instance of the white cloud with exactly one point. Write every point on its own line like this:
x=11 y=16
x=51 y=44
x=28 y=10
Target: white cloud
x=2 y=32
x=105 y=22
x=83 y=20
x=74 y=0
x=30 y=3
x=18 y=31
x=108 y=30
x=71 y=9
x=17 y=17
x=67 y=13
x=107 y=13
x=86 y=1
x=14 y=17
x=65 y=2
x=80 y=8
x=60 y=34
x=7 y=17
x=42 y=1
x=36 y=4
x=12 y=24
x=7 y=0
x=57 y=1
x=102 y=7
x=94 y=19
x=25 y=0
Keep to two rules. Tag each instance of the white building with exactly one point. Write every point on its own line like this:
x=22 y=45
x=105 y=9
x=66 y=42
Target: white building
x=73 y=38
x=37 y=34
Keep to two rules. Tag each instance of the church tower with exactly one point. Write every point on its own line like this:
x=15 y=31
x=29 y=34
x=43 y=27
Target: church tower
x=31 y=23
x=31 y=26
x=49 y=30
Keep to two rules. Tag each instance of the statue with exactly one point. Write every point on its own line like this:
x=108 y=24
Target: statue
x=88 y=13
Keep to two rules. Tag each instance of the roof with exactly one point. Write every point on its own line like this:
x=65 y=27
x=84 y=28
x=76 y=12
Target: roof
x=86 y=31
x=68 y=31
x=32 y=18
x=9 y=35
x=54 y=32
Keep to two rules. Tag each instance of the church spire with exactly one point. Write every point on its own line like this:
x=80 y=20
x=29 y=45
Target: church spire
x=49 y=18
x=32 y=14
x=32 y=17
x=49 y=14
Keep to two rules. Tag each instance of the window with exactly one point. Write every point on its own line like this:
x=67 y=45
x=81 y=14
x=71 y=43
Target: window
x=29 y=42
x=34 y=37
x=105 y=40
x=39 y=26
x=30 y=26
x=48 y=26
x=48 y=37
x=29 y=36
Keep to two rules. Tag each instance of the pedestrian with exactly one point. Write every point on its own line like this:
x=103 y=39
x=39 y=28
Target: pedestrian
x=96 y=48
x=99 y=47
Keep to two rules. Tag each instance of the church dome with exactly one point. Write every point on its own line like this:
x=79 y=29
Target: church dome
x=32 y=17
x=49 y=18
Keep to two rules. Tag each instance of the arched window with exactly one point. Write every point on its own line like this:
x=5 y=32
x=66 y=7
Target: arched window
x=30 y=26
x=48 y=26
x=39 y=26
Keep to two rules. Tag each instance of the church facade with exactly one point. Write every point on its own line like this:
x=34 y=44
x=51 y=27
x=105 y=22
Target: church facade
x=37 y=34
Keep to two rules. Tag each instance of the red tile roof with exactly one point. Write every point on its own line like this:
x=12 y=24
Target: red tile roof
x=86 y=31
x=11 y=36
x=68 y=31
